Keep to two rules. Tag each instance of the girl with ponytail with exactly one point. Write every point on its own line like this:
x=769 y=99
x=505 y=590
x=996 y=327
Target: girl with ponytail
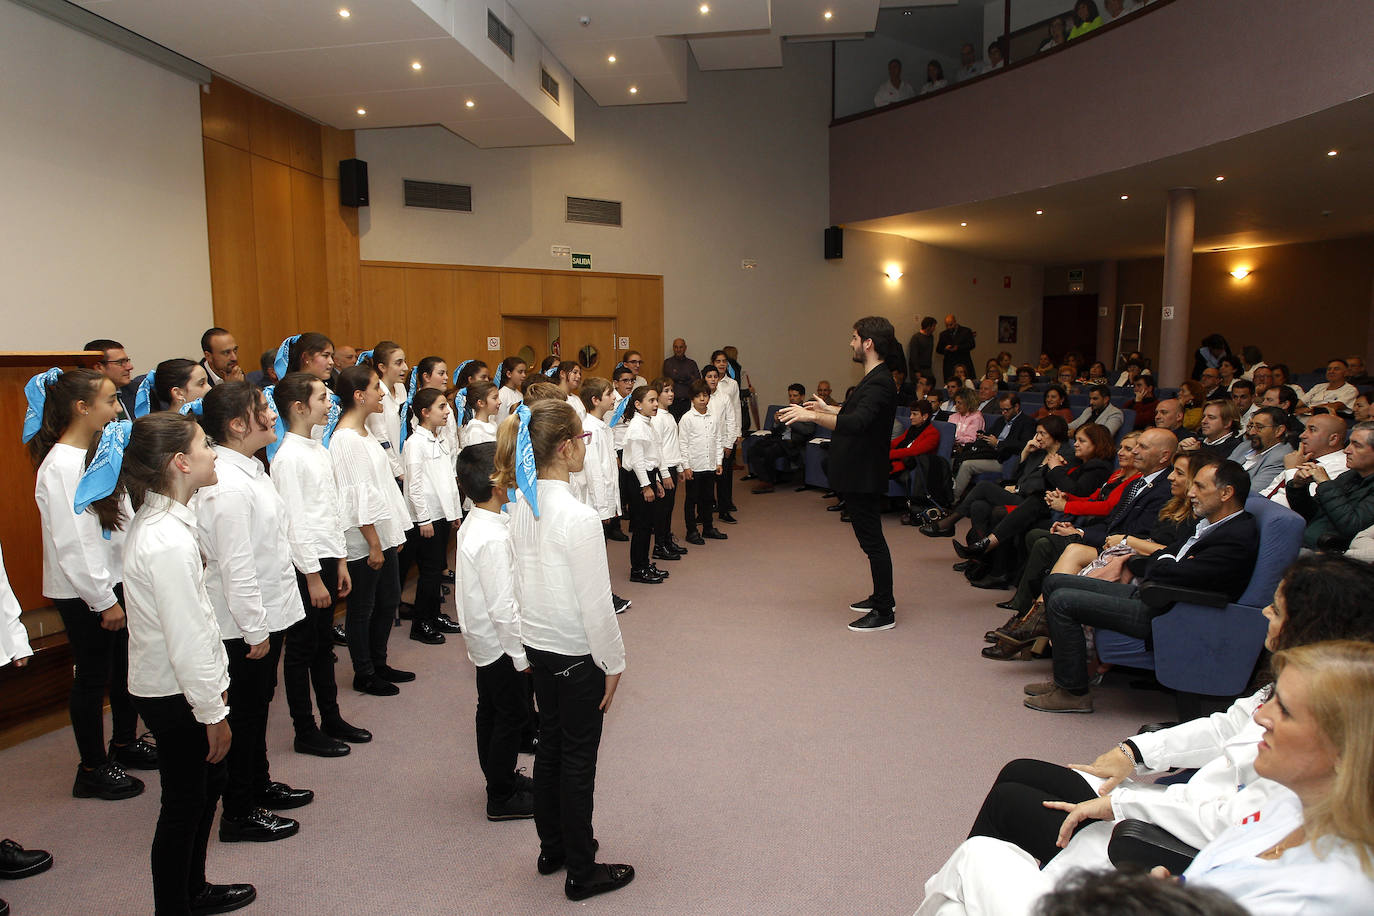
x=483 y=402
x=389 y=361
x=570 y=380
x=510 y=379
x=432 y=494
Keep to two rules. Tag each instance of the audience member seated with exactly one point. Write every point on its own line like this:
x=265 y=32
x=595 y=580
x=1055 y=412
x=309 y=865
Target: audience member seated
x=1213 y=348
x=915 y=461
x=1263 y=377
x=906 y=390
x=997 y=58
x=1144 y=403
x=969 y=65
x=1264 y=448
x=1282 y=376
x=1100 y=410
x=784 y=441
x=1169 y=415
x=1362 y=407
x=1046 y=367
x=993 y=372
x=1085 y=18
x=1340 y=508
x=1097 y=374
x=1243 y=400
x=1335 y=393
x=894 y=88
x=266 y=373
x=1005 y=438
x=1025 y=378
x=1005 y=361
x=968 y=422
x=1062 y=817
x=961 y=372
x=1217 y=433
x=1284 y=397
x=1058 y=34
x=1211 y=384
x=1134 y=370
x=1228 y=370
x=987 y=396
x=1322 y=440
x=935 y=77
x=947 y=406
x=1113 y=10
x=1218 y=555
x=1355 y=372
x=1056 y=404
x=1068 y=379
x=824 y=392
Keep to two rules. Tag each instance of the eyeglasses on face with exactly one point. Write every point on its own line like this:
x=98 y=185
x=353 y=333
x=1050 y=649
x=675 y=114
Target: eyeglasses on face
x=122 y=363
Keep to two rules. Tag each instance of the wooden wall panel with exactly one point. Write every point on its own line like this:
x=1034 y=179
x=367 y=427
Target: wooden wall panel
x=335 y=145
x=233 y=254
x=308 y=252
x=306 y=146
x=276 y=261
x=269 y=130
x=560 y=294
x=383 y=306
x=640 y=318
x=521 y=294
x=432 y=323
x=225 y=112
x=575 y=333
x=478 y=309
x=599 y=296
x=343 y=269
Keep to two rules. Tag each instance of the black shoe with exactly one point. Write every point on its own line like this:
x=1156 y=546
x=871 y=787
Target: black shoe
x=340 y=637
x=522 y=782
x=338 y=728
x=933 y=530
x=715 y=534
x=874 y=620
x=139 y=754
x=993 y=582
x=604 y=879
x=518 y=807
x=962 y=565
x=17 y=862
x=728 y=519
x=697 y=539
x=449 y=576
x=749 y=477
x=972 y=551
x=674 y=545
x=318 y=744
x=838 y=507
x=646 y=576
x=846 y=517
x=548 y=864
x=260 y=826
x=829 y=494
x=371 y=683
x=394 y=675
x=405 y=610
x=280 y=797
x=1009 y=605
x=421 y=631
x=615 y=534
x=107 y=781
x=653 y=567
x=620 y=604
x=222 y=898
x=730 y=508
x=445 y=624
x=664 y=553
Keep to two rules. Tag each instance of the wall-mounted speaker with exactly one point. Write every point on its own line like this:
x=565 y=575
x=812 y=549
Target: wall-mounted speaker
x=353 y=183
x=834 y=243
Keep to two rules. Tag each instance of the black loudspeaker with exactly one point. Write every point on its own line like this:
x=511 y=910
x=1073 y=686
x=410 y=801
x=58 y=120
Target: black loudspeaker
x=834 y=243
x=352 y=182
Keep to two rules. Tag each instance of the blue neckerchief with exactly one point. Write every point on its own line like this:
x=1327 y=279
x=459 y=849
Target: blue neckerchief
x=1207 y=357
x=36 y=390
x=335 y=411
x=284 y=355
x=405 y=408
x=196 y=407
x=461 y=396
x=500 y=372
x=619 y=413
x=526 y=479
x=551 y=373
x=102 y=475
x=366 y=354
x=143 y=399
x=729 y=369
x=279 y=426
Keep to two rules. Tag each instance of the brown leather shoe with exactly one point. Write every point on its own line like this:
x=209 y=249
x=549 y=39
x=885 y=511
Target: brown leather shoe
x=1039 y=688
x=1060 y=700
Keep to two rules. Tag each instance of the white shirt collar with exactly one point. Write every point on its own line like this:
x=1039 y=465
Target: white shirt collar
x=246 y=463
x=180 y=511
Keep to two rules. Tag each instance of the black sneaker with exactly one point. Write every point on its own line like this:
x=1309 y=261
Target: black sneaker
x=518 y=807
x=17 y=862
x=139 y=754
x=864 y=605
x=874 y=620
x=259 y=826
x=107 y=781
x=620 y=604
x=728 y=519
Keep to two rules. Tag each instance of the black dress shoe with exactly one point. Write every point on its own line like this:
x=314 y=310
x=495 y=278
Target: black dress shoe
x=615 y=534
x=17 y=862
x=317 y=744
x=421 y=631
x=1008 y=605
x=645 y=577
x=522 y=782
x=519 y=807
x=260 y=826
x=663 y=553
x=338 y=728
x=674 y=545
x=548 y=864
x=107 y=781
x=715 y=534
x=222 y=898
x=278 y=796
x=728 y=518
x=445 y=624
x=962 y=565
x=374 y=685
x=695 y=538
x=653 y=567
x=838 y=507
x=394 y=675
x=992 y=582
x=933 y=530
x=449 y=576
x=972 y=551
x=730 y=508
x=846 y=517
x=603 y=880
x=749 y=477
x=138 y=754
x=405 y=610
x=340 y=637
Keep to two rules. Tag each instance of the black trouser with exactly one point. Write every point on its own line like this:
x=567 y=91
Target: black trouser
x=627 y=482
x=252 y=684
x=406 y=555
x=663 y=511
x=1021 y=519
x=1072 y=602
x=430 y=556
x=101 y=659
x=371 y=607
x=725 y=484
x=697 y=502
x=981 y=501
x=1014 y=811
x=865 y=513
x=191 y=789
x=569 y=689
x=1042 y=552
x=308 y=655
x=764 y=452
x=503 y=701
x=641 y=522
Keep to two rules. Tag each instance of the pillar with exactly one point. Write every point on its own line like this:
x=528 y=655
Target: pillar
x=1174 y=342
x=1106 y=316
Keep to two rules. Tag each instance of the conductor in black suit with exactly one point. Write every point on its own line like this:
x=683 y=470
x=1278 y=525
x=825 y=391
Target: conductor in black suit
x=956 y=346
x=858 y=465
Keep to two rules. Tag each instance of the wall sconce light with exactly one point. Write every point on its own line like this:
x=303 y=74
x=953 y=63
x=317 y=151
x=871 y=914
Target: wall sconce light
x=893 y=273
x=1240 y=273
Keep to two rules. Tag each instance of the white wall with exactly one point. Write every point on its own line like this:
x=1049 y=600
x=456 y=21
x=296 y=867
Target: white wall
x=739 y=171
x=102 y=210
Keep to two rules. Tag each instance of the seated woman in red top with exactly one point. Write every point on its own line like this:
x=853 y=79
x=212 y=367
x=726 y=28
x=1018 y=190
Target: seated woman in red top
x=915 y=463
x=1056 y=404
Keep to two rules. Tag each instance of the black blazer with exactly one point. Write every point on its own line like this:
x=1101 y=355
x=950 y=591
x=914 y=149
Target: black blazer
x=1222 y=561
x=801 y=434
x=1080 y=478
x=863 y=433
x=1022 y=429
x=1138 y=519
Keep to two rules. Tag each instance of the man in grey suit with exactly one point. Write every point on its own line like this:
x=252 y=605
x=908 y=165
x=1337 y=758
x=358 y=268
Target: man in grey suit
x=1100 y=410
x=1264 y=448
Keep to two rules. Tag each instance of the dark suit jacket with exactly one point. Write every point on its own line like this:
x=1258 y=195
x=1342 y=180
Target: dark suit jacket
x=863 y=432
x=801 y=434
x=1221 y=561
x=962 y=338
x=1138 y=519
x=1022 y=429
x=919 y=353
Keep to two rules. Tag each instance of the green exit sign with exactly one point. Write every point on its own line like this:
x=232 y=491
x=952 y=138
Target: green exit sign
x=581 y=261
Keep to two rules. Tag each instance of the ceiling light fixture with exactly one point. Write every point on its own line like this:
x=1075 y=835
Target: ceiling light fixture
x=344 y=14
x=1221 y=178
x=963 y=225
x=828 y=15
x=893 y=273
x=705 y=8
x=1331 y=153
x=362 y=111
x=1125 y=197
x=470 y=103
x=1240 y=273
x=1039 y=212
x=416 y=65
x=611 y=59
x=634 y=90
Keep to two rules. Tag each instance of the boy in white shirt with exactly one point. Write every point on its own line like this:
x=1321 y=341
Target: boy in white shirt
x=600 y=469
x=665 y=427
x=622 y=383
x=699 y=439
x=434 y=503
x=484 y=570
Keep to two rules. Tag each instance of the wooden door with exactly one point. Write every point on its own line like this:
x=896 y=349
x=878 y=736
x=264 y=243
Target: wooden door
x=590 y=341
x=527 y=338
x=1070 y=323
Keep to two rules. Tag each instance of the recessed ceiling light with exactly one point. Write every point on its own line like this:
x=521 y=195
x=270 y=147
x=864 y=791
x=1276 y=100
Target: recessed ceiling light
x=1221 y=178
x=829 y=15
x=416 y=65
x=470 y=103
x=634 y=89
x=611 y=59
x=362 y=111
x=1039 y=212
x=1331 y=152
x=344 y=14
x=963 y=225
x=705 y=8
x=1125 y=197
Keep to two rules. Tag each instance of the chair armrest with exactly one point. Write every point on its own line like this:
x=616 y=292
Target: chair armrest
x=1158 y=596
x=1137 y=844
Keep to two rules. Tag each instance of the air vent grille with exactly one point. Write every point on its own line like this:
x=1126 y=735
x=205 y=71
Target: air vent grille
x=596 y=212
x=548 y=84
x=433 y=195
x=500 y=35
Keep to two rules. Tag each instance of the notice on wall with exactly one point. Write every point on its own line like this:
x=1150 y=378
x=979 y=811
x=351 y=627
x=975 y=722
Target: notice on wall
x=493 y=343
x=622 y=343
x=581 y=261
x=1167 y=313
x=1076 y=275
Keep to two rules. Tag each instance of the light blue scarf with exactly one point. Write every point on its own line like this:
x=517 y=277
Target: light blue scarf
x=36 y=390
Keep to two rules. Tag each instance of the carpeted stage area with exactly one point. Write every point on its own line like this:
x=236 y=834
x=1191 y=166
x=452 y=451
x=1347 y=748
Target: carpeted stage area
x=759 y=758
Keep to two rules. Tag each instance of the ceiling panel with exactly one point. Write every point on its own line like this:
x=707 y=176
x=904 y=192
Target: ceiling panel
x=420 y=106
x=558 y=20
x=737 y=52
x=531 y=131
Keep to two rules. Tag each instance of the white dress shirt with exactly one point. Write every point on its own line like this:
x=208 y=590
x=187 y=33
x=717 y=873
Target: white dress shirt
x=507 y=399
x=385 y=427
x=578 y=406
x=477 y=431
x=1203 y=526
x=175 y=644
x=484 y=579
x=368 y=494
x=450 y=434
x=724 y=404
x=1335 y=466
x=699 y=439
x=617 y=431
x=303 y=474
x=431 y=488
x=888 y=93
x=14 y=639
x=665 y=427
x=78 y=562
x=970 y=71
x=563 y=582
x=1324 y=394
x=248 y=566
x=642 y=456
x=932 y=85
x=599 y=468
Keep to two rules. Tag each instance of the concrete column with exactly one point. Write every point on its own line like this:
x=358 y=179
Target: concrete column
x=1106 y=316
x=1174 y=342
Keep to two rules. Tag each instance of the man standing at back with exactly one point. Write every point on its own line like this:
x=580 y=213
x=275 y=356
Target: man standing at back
x=682 y=369
x=858 y=464
x=956 y=346
x=920 y=352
